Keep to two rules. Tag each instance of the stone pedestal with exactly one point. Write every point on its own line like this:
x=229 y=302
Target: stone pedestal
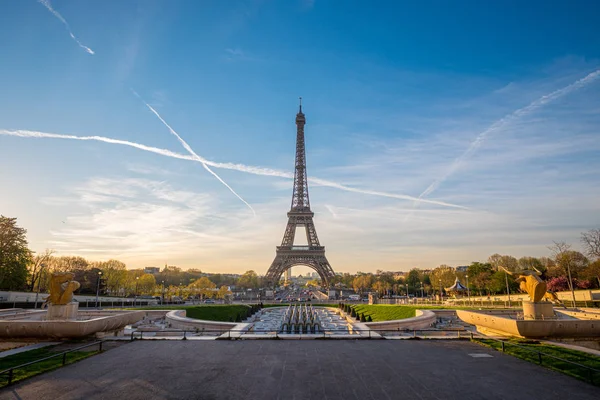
x=59 y=311
x=373 y=298
x=538 y=310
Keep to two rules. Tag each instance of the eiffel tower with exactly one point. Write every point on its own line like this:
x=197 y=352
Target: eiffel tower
x=312 y=255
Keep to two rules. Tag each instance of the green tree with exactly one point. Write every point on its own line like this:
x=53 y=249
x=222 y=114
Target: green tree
x=530 y=263
x=414 y=279
x=15 y=255
x=592 y=273
x=204 y=286
x=479 y=275
x=146 y=284
x=444 y=274
x=114 y=272
x=249 y=280
x=223 y=292
x=497 y=282
x=362 y=282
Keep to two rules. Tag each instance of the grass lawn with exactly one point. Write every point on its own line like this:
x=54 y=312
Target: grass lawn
x=385 y=312
x=523 y=352
x=227 y=313
x=38 y=368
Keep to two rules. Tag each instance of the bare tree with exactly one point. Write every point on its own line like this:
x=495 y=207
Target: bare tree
x=37 y=266
x=591 y=243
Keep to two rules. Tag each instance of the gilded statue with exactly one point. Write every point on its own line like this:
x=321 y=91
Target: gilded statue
x=62 y=287
x=531 y=283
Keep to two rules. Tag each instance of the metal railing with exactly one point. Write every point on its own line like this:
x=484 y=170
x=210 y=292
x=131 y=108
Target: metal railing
x=591 y=372
x=352 y=333
x=10 y=371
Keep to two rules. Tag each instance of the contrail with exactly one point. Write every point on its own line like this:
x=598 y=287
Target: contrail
x=46 y=3
x=231 y=166
x=192 y=152
x=503 y=122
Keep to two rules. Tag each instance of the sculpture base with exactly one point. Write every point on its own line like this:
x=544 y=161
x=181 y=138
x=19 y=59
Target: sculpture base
x=62 y=311
x=538 y=310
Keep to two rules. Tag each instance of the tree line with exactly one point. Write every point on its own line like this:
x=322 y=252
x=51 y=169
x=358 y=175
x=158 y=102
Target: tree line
x=563 y=269
x=22 y=269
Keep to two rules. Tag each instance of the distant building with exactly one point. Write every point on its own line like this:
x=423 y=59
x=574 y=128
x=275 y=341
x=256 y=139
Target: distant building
x=462 y=268
x=152 y=270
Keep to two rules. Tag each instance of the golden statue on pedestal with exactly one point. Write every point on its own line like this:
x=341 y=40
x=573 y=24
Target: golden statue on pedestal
x=62 y=287
x=531 y=283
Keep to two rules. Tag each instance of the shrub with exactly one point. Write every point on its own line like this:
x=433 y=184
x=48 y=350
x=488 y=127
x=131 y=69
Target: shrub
x=369 y=319
x=352 y=312
x=362 y=317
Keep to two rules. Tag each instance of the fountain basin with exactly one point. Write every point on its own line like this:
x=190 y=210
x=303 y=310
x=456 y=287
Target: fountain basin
x=565 y=327
x=88 y=323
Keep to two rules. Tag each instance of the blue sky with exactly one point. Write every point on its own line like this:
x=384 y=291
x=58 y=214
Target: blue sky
x=399 y=97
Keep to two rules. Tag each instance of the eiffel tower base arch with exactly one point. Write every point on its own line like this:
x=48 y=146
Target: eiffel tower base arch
x=283 y=262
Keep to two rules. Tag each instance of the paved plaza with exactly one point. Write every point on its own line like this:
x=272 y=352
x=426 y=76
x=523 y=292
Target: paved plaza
x=295 y=370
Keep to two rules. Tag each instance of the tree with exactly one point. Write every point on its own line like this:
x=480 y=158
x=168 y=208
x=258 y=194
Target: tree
x=592 y=272
x=495 y=260
x=249 y=280
x=569 y=261
x=530 y=263
x=223 y=292
x=414 y=279
x=204 y=286
x=145 y=284
x=362 y=282
x=591 y=243
x=38 y=265
x=114 y=272
x=381 y=287
x=445 y=273
x=497 y=282
x=15 y=255
x=558 y=284
x=479 y=275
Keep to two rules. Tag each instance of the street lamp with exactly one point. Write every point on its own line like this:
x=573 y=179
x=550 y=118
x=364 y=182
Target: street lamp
x=468 y=291
x=406 y=293
x=162 y=298
x=137 y=278
x=441 y=293
x=98 y=287
x=507 y=288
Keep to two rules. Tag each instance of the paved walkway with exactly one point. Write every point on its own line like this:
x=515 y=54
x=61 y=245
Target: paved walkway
x=298 y=370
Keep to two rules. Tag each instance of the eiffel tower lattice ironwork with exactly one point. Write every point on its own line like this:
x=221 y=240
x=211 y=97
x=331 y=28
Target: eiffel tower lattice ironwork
x=300 y=214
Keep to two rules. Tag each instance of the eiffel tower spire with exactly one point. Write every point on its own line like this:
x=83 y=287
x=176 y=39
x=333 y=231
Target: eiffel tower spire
x=300 y=214
x=300 y=199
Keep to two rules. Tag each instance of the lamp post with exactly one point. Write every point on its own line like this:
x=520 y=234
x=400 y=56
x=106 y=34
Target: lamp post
x=98 y=287
x=422 y=295
x=162 y=297
x=468 y=291
x=571 y=282
x=507 y=288
x=406 y=293
x=441 y=293
x=137 y=278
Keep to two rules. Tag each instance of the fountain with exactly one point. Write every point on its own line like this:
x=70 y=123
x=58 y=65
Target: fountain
x=300 y=319
x=63 y=319
x=539 y=319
